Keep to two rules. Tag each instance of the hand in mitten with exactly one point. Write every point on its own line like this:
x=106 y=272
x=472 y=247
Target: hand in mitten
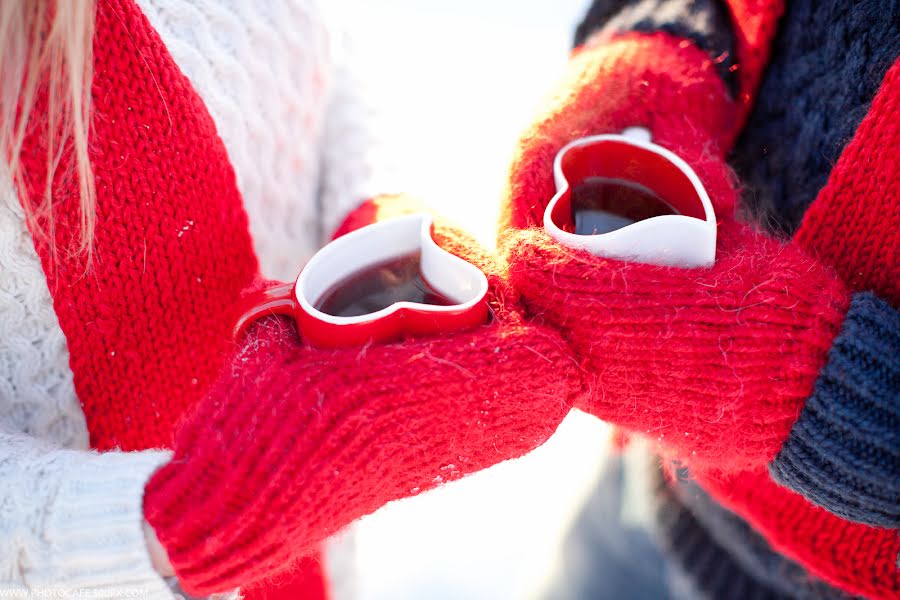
x=715 y=363
x=294 y=442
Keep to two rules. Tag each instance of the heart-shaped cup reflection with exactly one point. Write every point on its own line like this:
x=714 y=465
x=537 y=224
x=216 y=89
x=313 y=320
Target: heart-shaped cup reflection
x=624 y=197
x=378 y=283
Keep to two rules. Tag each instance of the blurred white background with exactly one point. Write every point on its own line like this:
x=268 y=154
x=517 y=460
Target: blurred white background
x=456 y=82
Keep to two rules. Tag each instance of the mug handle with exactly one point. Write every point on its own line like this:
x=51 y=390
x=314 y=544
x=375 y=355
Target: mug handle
x=272 y=300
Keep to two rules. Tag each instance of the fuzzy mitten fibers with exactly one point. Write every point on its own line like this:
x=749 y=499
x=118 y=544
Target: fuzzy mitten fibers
x=293 y=442
x=713 y=363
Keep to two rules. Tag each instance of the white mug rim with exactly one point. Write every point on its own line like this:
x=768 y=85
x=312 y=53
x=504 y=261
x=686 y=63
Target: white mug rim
x=349 y=244
x=639 y=138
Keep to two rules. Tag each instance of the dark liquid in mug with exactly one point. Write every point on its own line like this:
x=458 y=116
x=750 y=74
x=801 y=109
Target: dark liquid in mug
x=601 y=205
x=378 y=286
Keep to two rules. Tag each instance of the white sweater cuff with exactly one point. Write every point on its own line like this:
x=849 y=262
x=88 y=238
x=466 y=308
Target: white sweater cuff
x=94 y=528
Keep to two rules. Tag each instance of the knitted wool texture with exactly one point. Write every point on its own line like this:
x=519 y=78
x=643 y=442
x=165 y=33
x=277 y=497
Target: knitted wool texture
x=644 y=331
x=844 y=451
x=144 y=323
x=829 y=59
x=295 y=442
x=706 y=23
x=295 y=118
x=861 y=239
x=613 y=85
x=753 y=24
x=148 y=338
x=764 y=290
x=758 y=326
x=723 y=555
x=858 y=558
x=171 y=250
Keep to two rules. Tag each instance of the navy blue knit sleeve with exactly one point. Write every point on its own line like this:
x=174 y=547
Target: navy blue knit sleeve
x=844 y=451
x=707 y=23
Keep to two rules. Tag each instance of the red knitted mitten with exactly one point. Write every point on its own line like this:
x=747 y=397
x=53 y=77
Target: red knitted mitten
x=294 y=442
x=714 y=363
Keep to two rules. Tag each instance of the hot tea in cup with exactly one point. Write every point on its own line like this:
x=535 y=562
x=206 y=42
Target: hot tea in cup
x=379 y=286
x=603 y=205
x=624 y=197
x=378 y=283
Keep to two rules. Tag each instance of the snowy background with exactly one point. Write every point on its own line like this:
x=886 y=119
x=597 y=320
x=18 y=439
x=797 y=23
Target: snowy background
x=456 y=82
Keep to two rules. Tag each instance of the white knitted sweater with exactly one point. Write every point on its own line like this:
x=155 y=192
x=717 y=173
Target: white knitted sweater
x=70 y=518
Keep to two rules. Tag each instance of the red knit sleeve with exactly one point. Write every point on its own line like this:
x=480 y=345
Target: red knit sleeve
x=754 y=23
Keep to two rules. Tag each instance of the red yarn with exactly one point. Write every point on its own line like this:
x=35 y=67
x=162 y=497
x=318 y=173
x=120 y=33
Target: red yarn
x=172 y=250
x=144 y=326
x=754 y=24
x=741 y=342
x=290 y=443
x=714 y=363
x=854 y=223
x=758 y=324
x=857 y=558
x=305 y=581
x=860 y=239
x=619 y=84
x=293 y=443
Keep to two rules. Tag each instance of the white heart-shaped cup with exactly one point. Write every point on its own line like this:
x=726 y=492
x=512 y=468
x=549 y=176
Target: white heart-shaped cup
x=685 y=239
x=461 y=283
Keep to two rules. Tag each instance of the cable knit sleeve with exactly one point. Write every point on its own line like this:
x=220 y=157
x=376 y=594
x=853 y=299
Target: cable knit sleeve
x=356 y=165
x=843 y=452
x=72 y=520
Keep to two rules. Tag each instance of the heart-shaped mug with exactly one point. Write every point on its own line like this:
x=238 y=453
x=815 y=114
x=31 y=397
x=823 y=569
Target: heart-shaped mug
x=461 y=284
x=685 y=238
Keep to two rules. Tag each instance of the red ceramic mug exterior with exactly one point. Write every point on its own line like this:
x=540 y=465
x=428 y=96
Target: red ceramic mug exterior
x=448 y=274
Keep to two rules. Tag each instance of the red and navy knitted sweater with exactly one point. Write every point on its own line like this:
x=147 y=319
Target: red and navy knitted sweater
x=828 y=61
